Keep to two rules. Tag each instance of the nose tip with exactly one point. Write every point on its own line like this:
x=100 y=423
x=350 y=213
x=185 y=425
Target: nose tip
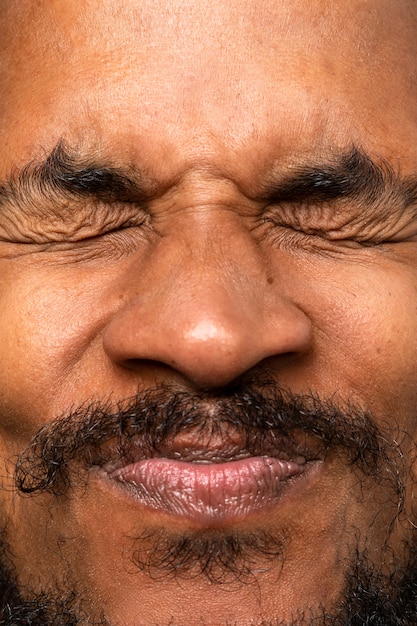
x=210 y=339
x=212 y=354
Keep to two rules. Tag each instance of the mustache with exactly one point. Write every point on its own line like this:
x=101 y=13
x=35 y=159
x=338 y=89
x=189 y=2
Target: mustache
x=263 y=418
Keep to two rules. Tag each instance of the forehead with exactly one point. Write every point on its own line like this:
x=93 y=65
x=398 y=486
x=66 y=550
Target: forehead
x=175 y=82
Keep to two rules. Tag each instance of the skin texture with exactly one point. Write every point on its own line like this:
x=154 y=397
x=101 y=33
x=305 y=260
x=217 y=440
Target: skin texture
x=209 y=102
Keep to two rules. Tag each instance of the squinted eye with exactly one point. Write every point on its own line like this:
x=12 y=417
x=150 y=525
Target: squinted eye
x=339 y=224
x=71 y=223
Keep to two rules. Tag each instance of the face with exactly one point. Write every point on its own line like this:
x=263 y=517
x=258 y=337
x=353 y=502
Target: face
x=208 y=304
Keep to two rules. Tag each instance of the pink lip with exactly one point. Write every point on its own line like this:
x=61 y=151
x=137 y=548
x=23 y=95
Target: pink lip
x=208 y=493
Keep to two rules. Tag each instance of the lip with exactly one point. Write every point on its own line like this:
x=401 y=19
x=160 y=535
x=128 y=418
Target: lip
x=208 y=493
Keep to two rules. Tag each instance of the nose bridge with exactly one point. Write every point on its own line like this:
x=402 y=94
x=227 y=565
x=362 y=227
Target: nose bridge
x=214 y=288
x=219 y=265
x=208 y=271
x=202 y=306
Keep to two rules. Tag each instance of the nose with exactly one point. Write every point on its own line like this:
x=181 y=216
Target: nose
x=204 y=312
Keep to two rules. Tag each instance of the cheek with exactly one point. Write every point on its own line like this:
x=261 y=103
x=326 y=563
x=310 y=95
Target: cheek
x=49 y=322
x=366 y=338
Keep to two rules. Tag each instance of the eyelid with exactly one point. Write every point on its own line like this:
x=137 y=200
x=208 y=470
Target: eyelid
x=345 y=221
x=72 y=222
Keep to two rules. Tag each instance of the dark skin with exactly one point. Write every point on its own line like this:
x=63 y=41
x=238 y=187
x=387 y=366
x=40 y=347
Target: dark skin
x=197 y=195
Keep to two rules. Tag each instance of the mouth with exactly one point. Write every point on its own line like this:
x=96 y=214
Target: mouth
x=212 y=482
x=208 y=493
x=213 y=460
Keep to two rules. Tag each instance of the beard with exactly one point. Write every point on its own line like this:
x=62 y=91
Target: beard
x=265 y=420
x=367 y=600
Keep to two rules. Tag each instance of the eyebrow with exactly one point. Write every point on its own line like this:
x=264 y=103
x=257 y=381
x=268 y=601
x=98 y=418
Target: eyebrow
x=67 y=174
x=352 y=175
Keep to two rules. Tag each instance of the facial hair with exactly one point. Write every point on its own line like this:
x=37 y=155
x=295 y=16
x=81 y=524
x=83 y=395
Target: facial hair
x=368 y=600
x=267 y=420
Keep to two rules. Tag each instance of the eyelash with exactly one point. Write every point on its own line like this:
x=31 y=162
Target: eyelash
x=283 y=233
x=112 y=245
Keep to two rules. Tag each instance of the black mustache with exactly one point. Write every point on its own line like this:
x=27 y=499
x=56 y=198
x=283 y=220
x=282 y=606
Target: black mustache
x=265 y=417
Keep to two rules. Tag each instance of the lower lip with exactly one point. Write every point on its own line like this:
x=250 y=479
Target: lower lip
x=209 y=493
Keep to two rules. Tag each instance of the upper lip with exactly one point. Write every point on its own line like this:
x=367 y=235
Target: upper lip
x=199 y=447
